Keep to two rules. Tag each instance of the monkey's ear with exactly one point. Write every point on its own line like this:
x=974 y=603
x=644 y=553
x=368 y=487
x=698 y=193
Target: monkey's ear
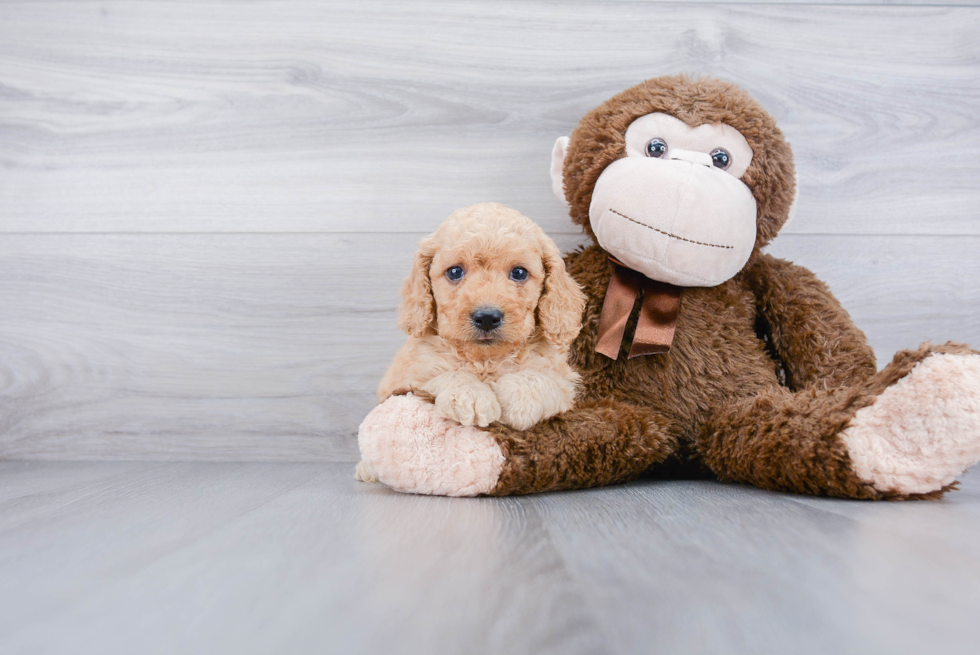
x=793 y=206
x=557 y=164
x=417 y=314
x=562 y=301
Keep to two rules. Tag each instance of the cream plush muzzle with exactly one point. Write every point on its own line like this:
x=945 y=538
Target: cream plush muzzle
x=674 y=220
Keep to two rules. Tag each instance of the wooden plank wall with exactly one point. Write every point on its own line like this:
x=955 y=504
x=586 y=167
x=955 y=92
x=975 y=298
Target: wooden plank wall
x=206 y=207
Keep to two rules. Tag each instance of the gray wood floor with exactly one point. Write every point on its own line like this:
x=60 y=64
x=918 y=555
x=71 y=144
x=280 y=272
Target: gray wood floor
x=240 y=558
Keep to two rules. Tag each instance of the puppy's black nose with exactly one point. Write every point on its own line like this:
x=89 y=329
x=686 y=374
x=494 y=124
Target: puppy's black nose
x=487 y=319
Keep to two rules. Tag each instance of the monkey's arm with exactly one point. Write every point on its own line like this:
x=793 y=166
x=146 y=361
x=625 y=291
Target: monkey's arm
x=816 y=341
x=597 y=443
x=413 y=449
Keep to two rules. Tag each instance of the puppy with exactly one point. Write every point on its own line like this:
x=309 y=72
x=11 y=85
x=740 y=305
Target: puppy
x=490 y=313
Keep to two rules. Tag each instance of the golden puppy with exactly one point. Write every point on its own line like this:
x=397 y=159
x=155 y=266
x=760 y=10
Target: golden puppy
x=490 y=313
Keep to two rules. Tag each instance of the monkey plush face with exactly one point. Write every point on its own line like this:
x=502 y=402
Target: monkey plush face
x=674 y=207
x=678 y=179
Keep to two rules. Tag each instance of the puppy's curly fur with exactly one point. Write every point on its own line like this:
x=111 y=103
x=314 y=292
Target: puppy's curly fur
x=517 y=373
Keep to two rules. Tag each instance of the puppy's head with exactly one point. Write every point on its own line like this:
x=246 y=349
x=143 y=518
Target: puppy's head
x=490 y=279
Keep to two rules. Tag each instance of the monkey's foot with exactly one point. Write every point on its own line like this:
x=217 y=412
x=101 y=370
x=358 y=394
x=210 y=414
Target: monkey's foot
x=922 y=431
x=412 y=449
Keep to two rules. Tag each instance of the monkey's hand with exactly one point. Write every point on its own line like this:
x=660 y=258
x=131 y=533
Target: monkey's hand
x=528 y=397
x=463 y=398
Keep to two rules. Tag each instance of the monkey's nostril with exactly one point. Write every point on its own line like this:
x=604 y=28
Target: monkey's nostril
x=487 y=319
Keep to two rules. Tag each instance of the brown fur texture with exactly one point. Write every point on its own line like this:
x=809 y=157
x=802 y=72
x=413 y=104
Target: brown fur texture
x=718 y=399
x=765 y=372
x=518 y=372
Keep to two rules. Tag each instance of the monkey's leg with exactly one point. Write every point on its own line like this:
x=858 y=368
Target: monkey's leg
x=413 y=449
x=906 y=432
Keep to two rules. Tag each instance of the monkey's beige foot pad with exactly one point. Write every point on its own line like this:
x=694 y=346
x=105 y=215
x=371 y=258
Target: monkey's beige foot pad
x=922 y=431
x=412 y=449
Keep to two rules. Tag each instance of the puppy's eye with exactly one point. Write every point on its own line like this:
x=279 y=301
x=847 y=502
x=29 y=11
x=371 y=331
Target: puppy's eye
x=657 y=148
x=455 y=273
x=720 y=158
x=518 y=274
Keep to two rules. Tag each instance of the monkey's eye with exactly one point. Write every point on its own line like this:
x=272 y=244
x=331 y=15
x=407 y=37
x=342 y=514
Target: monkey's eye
x=720 y=158
x=657 y=148
x=518 y=274
x=455 y=273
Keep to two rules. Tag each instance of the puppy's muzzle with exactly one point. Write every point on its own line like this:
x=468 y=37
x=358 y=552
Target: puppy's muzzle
x=487 y=319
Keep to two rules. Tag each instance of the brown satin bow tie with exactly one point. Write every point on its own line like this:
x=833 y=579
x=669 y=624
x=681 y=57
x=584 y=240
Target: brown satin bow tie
x=658 y=315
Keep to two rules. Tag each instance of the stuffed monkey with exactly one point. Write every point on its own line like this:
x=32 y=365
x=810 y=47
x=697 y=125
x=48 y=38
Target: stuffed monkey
x=699 y=353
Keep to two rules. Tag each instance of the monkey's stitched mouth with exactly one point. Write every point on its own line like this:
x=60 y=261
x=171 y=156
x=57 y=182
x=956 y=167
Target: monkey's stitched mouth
x=668 y=234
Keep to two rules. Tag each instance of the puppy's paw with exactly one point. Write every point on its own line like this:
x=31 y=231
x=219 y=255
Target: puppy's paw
x=363 y=474
x=518 y=409
x=529 y=397
x=473 y=403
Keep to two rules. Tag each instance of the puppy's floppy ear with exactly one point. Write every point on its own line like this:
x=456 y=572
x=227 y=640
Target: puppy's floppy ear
x=562 y=301
x=417 y=314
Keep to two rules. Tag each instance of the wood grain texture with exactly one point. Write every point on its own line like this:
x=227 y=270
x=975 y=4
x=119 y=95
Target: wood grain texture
x=382 y=116
x=293 y=558
x=198 y=558
x=206 y=208
x=270 y=346
x=712 y=568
